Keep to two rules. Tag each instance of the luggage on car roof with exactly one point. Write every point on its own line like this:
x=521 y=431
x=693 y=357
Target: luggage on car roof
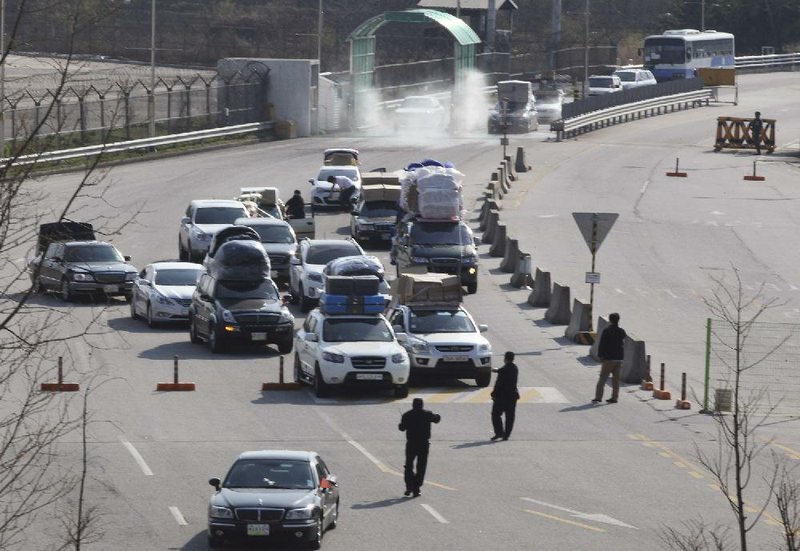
x=351 y=304
x=229 y=234
x=352 y=285
x=66 y=230
x=356 y=265
x=240 y=260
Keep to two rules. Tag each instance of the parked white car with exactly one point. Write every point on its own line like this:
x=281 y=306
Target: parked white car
x=163 y=291
x=548 y=105
x=600 y=85
x=321 y=188
x=202 y=219
x=349 y=350
x=634 y=78
x=306 y=281
x=443 y=342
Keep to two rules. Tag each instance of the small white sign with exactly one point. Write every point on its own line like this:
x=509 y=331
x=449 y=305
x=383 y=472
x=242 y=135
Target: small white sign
x=592 y=277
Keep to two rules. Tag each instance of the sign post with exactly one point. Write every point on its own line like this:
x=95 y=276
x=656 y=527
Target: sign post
x=594 y=227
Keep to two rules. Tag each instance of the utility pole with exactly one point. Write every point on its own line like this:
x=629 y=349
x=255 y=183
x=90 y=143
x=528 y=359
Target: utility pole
x=556 y=30
x=151 y=103
x=458 y=9
x=319 y=34
x=491 y=21
x=3 y=59
x=586 y=51
x=702 y=15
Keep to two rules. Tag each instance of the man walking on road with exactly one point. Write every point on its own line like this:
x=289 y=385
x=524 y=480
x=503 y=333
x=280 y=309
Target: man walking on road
x=416 y=423
x=504 y=397
x=756 y=126
x=611 y=350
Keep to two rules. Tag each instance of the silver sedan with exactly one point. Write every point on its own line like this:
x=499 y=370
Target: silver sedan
x=163 y=291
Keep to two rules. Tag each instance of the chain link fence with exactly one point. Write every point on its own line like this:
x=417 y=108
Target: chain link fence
x=769 y=365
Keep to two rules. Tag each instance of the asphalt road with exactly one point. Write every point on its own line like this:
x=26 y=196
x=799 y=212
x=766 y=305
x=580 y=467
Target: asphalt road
x=573 y=475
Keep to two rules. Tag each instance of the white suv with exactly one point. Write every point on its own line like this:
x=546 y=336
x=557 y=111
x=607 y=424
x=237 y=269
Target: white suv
x=204 y=218
x=443 y=341
x=604 y=84
x=634 y=78
x=349 y=350
x=306 y=281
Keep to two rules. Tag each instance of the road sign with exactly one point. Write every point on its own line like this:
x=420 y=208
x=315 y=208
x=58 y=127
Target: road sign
x=592 y=277
x=594 y=226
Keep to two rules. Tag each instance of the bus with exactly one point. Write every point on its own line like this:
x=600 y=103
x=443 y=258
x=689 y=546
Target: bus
x=678 y=54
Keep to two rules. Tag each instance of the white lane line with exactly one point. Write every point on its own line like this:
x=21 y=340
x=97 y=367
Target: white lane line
x=619 y=291
x=375 y=461
x=176 y=513
x=670 y=293
x=644 y=187
x=136 y=456
x=434 y=513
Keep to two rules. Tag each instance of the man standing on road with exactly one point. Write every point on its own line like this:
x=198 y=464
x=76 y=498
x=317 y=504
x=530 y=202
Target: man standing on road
x=756 y=126
x=347 y=188
x=504 y=397
x=416 y=423
x=611 y=350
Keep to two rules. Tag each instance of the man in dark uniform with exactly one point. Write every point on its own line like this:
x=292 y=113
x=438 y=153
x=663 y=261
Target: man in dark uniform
x=756 y=126
x=611 y=350
x=416 y=422
x=295 y=207
x=504 y=397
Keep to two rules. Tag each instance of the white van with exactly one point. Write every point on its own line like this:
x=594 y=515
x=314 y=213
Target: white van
x=604 y=84
x=634 y=78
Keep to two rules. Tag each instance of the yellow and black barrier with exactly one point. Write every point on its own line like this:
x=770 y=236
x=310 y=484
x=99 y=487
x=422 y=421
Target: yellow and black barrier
x=734 y=133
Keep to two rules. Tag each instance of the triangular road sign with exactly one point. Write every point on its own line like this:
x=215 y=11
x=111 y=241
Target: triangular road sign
x=594 y=226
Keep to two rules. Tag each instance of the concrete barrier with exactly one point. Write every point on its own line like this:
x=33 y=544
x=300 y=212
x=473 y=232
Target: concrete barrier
x=508 y=173
x=602 y=323
x=520 y=165
x=501 y=175
x=522 y=272
x=558 y=312
x=634 y=366
x=493 y=188
x=489 y=206
x=498 y=247
x=510 y=168
x=580 y=320
x=509 y=263
x=540 y=295
x=491 y=225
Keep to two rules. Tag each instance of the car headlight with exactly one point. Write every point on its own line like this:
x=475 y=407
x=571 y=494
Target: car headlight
x=161 y=299
x=420 y=347
x=419 y=260
x=202 y=236
x=220 y=512
x=315 y=277
x=130 y=276
x=227 y=317
x=398 y=358
x=82 y=276
x=485 y=348
x=333 y=358
x=287 y=315
x=300 y=514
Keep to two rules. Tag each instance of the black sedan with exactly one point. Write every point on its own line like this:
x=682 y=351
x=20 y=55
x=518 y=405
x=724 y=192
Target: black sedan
x=266 y=495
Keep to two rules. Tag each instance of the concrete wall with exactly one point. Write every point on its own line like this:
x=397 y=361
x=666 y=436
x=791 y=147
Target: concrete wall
x=292 y=87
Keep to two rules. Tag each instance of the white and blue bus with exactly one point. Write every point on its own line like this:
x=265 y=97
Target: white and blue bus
x=678 y=54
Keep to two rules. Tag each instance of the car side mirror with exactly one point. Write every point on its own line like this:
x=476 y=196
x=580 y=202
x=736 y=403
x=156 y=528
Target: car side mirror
x=311 y=337
x=402 y=338
x=214 y=482
x=483 y=327
x=311 y=181
x=476 y=241
x=355 y=212
x=398 y=328
x=286 y=299
x=185 y=220
x=126 y=258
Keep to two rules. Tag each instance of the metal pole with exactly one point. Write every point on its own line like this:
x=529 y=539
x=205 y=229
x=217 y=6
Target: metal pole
x=702 y=15
x=458 y=9
x=319 y=34
x=491 y=21
x=586 y=51
x=4 y=54
x=280 y=370
x=591 y=285
x=663 y=376
x=151 y=103
x=175 y=369
x=708 y=364
x=60 y=370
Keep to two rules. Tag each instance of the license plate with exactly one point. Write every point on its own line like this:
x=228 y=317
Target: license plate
x=456 y=358
x=110 y=288
x=258 y=529
x=386 y=235
x=258 y=337
x=369 y=376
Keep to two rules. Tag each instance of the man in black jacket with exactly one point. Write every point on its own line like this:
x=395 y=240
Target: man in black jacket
x=756 y=126
x=416 y=422
x=295 y=207
x=504 y=397
x=611 y=350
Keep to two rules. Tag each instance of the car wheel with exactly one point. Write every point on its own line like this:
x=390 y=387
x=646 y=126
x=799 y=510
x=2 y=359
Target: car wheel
x=66 y=294
x=151 y=322
x=193 y=336
x=401 y=391
x=298 y=378
x=472 y=288
x=285 y=347
x=483 y=379
x=214 y=343
x=334 y=517
x=214 y=542
x=182 y=254
x=134 y=314
x=306 y=304
x=316 y=541
x=321 y=388
x=294 y=298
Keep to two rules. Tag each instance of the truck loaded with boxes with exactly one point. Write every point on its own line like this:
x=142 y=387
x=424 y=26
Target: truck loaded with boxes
x=376 y=213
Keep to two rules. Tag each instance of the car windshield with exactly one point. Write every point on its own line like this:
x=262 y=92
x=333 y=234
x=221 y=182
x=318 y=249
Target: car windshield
x=322 y=254
x=270 y=473
x=274 y=234
x=92 y=253
x=218 y=215
x=350 y=172
x=263 y=289
x=601 y=82
x=440 y=234
x=178 y=276
x=440 y=321
x=418 y=103
x=356 y=330
x=379 y=209
x=626 y=76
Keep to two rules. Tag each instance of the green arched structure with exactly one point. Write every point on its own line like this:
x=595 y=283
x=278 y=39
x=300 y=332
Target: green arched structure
x=362 y=43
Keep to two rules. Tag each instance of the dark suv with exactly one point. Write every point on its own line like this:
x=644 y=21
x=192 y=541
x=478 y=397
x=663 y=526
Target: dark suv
x=224 y=311
x=440 y=246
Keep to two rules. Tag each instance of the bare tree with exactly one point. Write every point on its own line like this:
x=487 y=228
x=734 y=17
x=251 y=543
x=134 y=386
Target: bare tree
x=787 y=500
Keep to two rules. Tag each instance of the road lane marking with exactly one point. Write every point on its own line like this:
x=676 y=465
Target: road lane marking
x=434 y=513
x=594 y=517
x=444 y=395
x=565 y=521
x=136 y=456
x=176 y=514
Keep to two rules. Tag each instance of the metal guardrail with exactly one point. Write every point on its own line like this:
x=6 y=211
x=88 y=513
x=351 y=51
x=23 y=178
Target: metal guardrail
x=767 y=61
x=143 y=143
x=604 y=117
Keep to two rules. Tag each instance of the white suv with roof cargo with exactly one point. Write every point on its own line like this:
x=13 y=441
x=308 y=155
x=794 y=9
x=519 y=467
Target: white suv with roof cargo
x=349 y=350
x=443 y=341
x=204 y=218
x=306 y=280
